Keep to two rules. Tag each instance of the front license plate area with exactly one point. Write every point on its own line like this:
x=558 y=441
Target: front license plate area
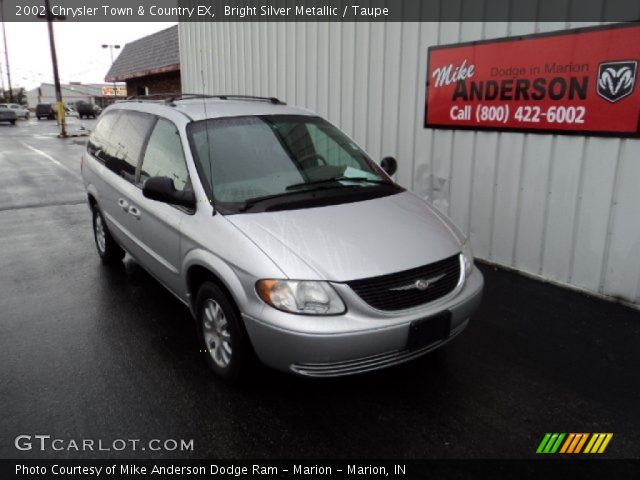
x=426 y=331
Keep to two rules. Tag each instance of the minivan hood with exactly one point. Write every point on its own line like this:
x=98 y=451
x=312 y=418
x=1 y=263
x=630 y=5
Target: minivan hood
x=354 y=240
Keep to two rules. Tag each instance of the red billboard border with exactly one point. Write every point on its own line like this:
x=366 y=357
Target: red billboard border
x=555 y=33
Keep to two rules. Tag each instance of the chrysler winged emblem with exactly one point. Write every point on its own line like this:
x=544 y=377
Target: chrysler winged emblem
x=420 y=284
x=616 y=79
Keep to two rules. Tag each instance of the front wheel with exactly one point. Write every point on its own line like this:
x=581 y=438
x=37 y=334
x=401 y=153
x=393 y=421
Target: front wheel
x=108 y=249
x=223 y=340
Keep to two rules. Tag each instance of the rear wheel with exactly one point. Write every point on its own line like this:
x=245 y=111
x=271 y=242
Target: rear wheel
x=223 y=339
x=13 y=122
x=108 y=249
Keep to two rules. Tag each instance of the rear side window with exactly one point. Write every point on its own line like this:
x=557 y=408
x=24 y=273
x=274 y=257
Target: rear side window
x=164 y=156
x=126 y=139
x=118 y=140
x=100 y=140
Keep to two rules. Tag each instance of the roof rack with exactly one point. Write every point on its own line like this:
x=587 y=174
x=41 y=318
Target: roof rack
x=171 y=98
x=153 y=97
x=187 y=96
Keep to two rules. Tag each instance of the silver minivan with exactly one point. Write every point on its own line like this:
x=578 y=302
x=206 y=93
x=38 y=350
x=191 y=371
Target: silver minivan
x=285 y=240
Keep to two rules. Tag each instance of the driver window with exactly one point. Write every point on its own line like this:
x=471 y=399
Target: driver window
x=164 y=156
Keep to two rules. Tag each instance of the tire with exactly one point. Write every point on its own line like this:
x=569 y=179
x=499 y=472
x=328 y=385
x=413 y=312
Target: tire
x=219 y=324
x=110 y=252
x=13 y=122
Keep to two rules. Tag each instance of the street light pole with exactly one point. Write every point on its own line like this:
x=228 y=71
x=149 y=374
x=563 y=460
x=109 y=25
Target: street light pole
x=111 y=47
x=56 y=78
x=6 y=52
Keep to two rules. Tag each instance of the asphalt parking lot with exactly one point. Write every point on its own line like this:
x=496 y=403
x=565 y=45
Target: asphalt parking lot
x=89 y=351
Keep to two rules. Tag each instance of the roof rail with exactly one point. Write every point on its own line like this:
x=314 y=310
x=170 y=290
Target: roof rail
x=153 y=97
x=273 y=100
x=170 y=98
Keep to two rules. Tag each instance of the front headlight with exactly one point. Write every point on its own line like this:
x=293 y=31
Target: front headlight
x=467 y=254
x=301 y=296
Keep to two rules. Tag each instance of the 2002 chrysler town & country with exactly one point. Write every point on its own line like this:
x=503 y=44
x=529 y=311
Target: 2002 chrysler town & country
x=282 y=236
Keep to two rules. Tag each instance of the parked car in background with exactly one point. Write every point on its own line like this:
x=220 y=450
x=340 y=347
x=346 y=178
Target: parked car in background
x=88 y=110
x=282 y=235
x=46 y=110
x=7 y=114
x=21 y=110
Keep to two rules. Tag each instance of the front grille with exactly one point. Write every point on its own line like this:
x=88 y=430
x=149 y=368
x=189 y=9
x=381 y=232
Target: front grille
x=397 y=291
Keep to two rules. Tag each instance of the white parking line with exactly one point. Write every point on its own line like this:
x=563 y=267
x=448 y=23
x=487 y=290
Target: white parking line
x=49 y=157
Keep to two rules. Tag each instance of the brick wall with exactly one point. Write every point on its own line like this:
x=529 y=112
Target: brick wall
x=160 y=83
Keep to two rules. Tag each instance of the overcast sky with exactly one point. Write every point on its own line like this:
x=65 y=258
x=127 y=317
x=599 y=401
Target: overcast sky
x=80 y=55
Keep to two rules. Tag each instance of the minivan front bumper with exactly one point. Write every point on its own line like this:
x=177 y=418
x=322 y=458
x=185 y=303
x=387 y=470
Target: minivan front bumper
x=359 y=344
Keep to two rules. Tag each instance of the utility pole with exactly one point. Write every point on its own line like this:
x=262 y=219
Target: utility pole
x=2 y=82
x=54 y=59
x=6 y=52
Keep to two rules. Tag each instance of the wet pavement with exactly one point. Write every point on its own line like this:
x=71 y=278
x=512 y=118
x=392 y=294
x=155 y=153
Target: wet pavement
x=92 y=352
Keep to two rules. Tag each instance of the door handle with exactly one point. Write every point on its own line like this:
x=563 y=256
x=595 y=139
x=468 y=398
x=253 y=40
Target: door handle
x=123 y=204
x=134 y=211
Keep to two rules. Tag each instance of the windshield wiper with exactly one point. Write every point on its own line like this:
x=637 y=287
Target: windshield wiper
x=316 y=186
x=253 y=201
x=340 y=178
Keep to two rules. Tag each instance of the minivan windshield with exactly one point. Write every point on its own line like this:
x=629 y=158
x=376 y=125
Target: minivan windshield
x=255 y=163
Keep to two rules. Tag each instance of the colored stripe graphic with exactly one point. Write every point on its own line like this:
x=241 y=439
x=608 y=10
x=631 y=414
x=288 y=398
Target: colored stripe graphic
x=598 y=442
x=567 y=442
x=577 y=438
x=573 y=443
x=606 y=442
x=596 y=445
x=581 y=442
x=591 y=442
x=544 y=441
x=550 y=443
x=556 y=445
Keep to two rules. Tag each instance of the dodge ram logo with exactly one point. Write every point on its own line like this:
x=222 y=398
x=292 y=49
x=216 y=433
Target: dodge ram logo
x=616 y=79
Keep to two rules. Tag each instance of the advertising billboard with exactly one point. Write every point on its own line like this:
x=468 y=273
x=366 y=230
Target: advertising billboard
x=576 y=81
x=118 y=91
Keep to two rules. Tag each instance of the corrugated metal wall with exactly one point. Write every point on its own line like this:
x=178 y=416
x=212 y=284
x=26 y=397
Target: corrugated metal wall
x=560 y=207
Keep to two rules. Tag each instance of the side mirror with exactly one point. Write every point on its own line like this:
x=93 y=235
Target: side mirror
x=162 y=190
x=389 y=165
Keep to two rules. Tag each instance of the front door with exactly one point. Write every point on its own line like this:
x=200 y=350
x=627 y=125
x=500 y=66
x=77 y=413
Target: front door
x=157 y=224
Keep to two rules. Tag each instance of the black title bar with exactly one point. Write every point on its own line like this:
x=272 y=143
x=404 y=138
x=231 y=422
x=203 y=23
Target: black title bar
x=326 y=10
x=329 y=469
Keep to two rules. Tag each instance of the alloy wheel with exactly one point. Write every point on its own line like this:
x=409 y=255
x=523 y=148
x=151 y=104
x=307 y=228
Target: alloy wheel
x=217 y=338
